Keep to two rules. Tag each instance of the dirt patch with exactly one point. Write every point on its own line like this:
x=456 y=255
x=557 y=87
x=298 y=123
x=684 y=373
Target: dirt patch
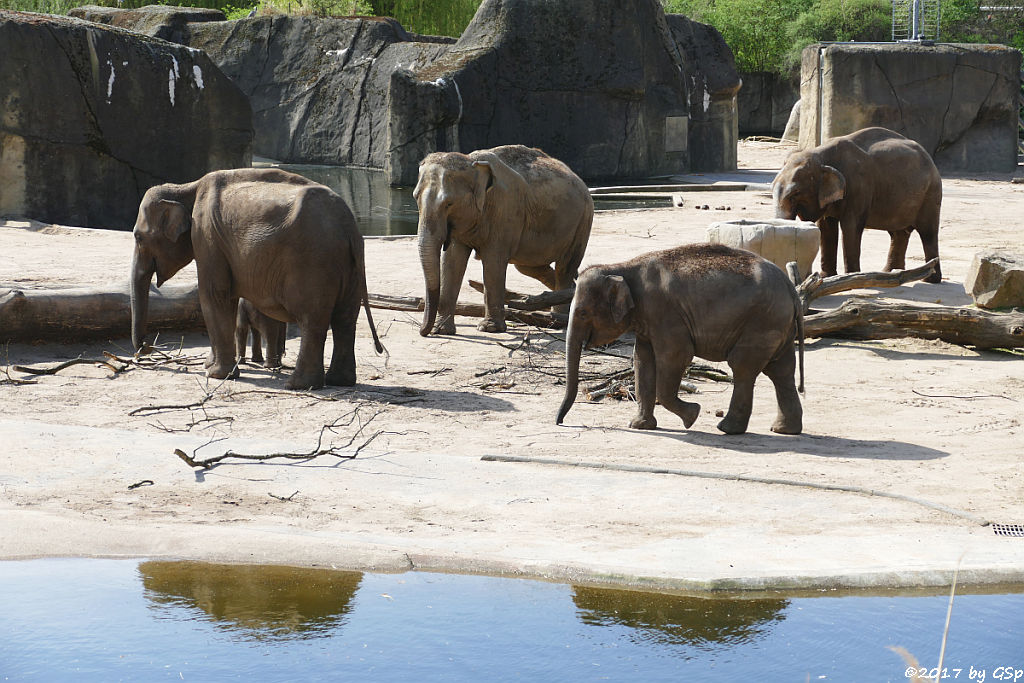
x=923 y=419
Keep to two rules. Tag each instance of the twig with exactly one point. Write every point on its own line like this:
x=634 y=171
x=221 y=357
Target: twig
x=963 y=397
x=29 y=370
x=286 y=499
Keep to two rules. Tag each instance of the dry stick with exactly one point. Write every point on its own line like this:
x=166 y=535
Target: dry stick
x=740 y=477
x=67 y=364
x=816 y=286
x=209 y=463
x=415 y=303
x=532 y=302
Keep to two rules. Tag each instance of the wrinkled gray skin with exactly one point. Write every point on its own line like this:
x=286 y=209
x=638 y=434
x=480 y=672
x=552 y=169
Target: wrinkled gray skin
x=510 y=204
x=711 y=301
x=873 y=178
x=285 y=243
x=262 y=327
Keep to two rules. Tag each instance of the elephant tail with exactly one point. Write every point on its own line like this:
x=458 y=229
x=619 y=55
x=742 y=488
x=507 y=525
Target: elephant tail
x=799 y=310
x=369 y=316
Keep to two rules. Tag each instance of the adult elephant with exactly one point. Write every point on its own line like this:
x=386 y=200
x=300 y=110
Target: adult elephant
x=510 y=204
x=873 y=178
x=706 y=300
x=288 y=245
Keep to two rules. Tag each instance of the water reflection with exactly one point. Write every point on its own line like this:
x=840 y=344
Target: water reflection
x=257 y=602
x=675 y=620
x=379 y=208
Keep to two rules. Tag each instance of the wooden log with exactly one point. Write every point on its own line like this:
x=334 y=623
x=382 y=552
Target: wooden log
x=532 y=302
x=816 y=286
x=76 y=314
x=415 y=303
x=862 y=319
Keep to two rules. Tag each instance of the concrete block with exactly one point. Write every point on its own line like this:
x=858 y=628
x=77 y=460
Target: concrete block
x=776 y=239
x=996 y=279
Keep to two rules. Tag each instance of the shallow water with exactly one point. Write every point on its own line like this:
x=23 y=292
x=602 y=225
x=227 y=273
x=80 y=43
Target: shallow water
x=100 y=620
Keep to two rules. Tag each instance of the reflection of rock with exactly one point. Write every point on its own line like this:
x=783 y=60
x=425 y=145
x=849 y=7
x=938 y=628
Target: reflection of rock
x=676 y=619
x=263 y=601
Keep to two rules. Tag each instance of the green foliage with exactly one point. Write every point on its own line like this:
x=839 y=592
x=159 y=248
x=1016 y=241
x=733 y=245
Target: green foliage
x=236 y=12
x=429 y=17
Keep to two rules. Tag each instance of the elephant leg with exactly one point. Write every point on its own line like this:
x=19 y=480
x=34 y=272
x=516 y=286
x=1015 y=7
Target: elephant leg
x=495 y=268
x=745 y=367
x=545 y=274
x=829 y=230
x=781 y=372
x=241 y=334
x=342 y=371
x=453 y=269
x=670 y=374
x=257 y=346
x=565 y=277
x=928 y=229
x=309 y=365
x=645 y=378
x=852 y=233
x=220 y=313
x=897 y=258
x=275 y=334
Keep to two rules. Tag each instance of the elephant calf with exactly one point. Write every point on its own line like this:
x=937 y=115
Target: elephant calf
x=706 y=300
x=250 y=319
x=873 y=178
x=510 y=204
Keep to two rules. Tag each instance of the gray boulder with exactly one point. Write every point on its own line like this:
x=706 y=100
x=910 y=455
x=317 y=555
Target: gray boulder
x=92 y=116
x=996 y=279
x=159 y=21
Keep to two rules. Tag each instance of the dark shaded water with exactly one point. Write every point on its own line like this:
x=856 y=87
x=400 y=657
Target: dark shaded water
x=384 y=210
x=101 y=620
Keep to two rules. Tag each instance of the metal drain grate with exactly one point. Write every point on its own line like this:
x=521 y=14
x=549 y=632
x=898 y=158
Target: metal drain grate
x=1008 y=529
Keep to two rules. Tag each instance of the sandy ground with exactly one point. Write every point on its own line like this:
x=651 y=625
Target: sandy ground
x=923 y=419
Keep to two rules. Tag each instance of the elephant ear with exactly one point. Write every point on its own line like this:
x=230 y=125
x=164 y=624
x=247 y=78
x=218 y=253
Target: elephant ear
x=832 y=187
x=492 y=172
x=169 y=218
x=620 y=299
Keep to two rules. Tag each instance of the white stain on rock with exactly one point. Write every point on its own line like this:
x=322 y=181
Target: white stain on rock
x=173 y=78
x=110 y=81
x=198 y=74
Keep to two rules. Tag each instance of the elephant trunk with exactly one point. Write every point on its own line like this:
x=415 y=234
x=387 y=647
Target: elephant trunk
x=430 y=259
x=574 y=342
x=142 y=276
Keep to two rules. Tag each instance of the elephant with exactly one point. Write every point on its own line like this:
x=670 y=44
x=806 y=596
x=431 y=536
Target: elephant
x=510 y=204
x=872 y=178
x=706 y=300
x=285 y=243
x=262 y=326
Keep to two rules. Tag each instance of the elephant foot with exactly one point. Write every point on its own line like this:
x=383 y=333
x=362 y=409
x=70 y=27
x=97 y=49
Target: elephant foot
x=935 y=278
x=641 y=422
x=445 y=326
x=299 y=382
x=222 y=371
x=689 y=413
x=733 y=425
x=256 y=358
x=273 y=363
x=344 y=378
x=783 y=426
x=491 y=325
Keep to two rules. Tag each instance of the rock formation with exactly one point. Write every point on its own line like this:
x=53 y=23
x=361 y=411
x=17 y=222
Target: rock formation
x=91 y=116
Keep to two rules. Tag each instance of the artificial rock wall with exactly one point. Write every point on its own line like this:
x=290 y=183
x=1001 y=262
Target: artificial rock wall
x=959 y=101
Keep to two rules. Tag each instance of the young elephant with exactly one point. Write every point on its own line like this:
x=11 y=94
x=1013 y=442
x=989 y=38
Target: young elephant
x=706 y=300
x=873 y=178
x=510 y=204
x=285 y=243
x=262 y=326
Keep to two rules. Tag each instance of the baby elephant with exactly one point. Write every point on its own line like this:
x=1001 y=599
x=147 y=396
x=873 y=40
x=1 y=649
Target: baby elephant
x=262 y=327
x=705 y=300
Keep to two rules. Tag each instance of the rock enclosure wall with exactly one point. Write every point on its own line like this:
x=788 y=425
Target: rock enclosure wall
x=959 y=101
x=92 y=116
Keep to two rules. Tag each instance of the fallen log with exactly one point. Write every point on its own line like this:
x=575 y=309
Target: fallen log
x=532 y=302
x=67 y=315
x=816 y=286
x=861 y=319
x=415 y=303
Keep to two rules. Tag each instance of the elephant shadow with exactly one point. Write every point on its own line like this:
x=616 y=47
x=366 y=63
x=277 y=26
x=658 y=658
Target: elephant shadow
x=820 y=445
x=888 y=353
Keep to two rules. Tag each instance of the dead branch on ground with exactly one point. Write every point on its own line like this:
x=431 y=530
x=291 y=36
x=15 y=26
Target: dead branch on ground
x=816 y=286
x=336 y=450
